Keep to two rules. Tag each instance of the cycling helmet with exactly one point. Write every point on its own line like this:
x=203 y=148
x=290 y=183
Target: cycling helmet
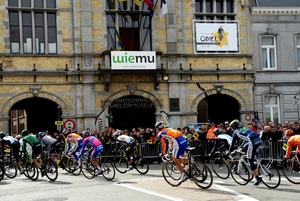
x=289 y=133
x=85 y=133
x=41 y=134
x=159 y=124
x=2 y=134
x=234 y=123
x=24 y=132
x=66 y=132
x=117 y=133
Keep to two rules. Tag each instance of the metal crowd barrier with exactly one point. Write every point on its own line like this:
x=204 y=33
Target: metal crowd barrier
x=269 y=149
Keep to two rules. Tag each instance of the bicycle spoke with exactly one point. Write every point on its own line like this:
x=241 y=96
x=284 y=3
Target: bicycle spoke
x=141 y=165
x=240 y=173
x=108 y=171
x=220 y=168
x=51 y=170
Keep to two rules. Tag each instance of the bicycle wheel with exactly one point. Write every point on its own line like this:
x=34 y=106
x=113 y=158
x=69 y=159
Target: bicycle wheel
x=292 y=172
x=73 y=167
x=35 y=176
x=10 y=169
x=202 y=175
x=29 y=170
x=120 y=164
x=141 y=165
x=220 y=168
x=171 y=174
x=88 y=169
x=240 y=173
x=108 y=171
x=64 y=164
x=270 y=175
x=51 y=170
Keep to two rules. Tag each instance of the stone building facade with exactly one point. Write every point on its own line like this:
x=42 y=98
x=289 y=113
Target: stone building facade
x=73 y=70
x=276 y=41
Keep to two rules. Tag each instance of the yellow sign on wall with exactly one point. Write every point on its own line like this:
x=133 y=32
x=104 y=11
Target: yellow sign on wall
x=59 y=123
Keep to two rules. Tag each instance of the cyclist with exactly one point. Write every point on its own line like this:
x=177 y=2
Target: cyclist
x=75 y=143
x=36 y=145
x=96 y=148
x=251 y=142
x=222 y=143
x=129 y=143
x=48 y=141
x=179 y=144
x=15 y=146
x=293 y=140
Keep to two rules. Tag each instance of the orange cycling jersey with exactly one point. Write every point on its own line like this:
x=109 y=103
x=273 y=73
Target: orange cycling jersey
x=293 y=141
x=168 y=134
x=73 y=138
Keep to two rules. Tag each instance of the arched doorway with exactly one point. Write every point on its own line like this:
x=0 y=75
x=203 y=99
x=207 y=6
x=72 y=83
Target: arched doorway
x=132 y=111
x=218 y=108
x=35 y=114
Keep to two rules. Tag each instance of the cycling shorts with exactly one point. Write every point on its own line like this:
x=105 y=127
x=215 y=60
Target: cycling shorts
x=179 y=146
x=36 y=150
x=96 y=151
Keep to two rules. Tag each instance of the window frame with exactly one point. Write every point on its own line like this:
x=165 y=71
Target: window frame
x=271 y=108
x=116 y=23
x=34 y=42
x=297 y=49
x=268 y=48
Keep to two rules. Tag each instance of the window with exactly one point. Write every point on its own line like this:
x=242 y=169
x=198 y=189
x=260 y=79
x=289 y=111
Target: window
x=298 y=51
x=32 y=26
x=272 y=108
x=268 y=52
x=214 y=9
x=128 y=25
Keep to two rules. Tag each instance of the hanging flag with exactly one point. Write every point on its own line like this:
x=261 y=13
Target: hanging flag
x=163 y=8
x=137 y=2
x=118 y=43
x=150 y=3
x=165 y=117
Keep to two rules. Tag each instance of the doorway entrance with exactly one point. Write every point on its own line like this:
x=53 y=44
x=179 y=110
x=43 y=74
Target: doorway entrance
x=35 y=114
x=132 y=112
x=218 y=108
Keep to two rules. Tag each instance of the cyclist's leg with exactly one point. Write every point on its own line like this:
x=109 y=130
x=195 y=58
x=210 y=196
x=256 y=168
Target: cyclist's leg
x=16 y=147
x=251 y=154
x=36 y=150
x=179 y=147
x=95 y=153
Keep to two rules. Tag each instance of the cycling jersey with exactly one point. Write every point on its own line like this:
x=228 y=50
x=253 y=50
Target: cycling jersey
x=28 y=148
x=226 y=137
x=251 y=142
x=48 y=140
x=75 y=143
x=34 y=142
x=178 y=141
x=13 y=143
x=293 y=141
x=94 y=143
x=125 y=138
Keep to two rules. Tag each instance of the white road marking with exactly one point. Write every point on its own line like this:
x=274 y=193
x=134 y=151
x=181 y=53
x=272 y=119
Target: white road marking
x=243 y=197
x=222 y=188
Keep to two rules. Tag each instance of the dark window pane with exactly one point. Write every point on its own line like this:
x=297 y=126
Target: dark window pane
x=52 y=35
x=38 y=3
x=26 y=19
x=26 y=3
x=129 y=38
x=39 y=19
x=13 y=3
x=219 y=18
x=40 y=40
x=209 y=18
x=219 y=5
x=51 y=19
x=209 y=6
x=51 y=4
x=27 y=39
x=199 y=17
x=13 y=18
x=229 y=6
x=198 y=7
x=14 y=34
x=110 y=4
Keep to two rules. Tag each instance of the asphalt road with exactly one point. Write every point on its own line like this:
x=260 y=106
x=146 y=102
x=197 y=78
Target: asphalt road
x=134 y=186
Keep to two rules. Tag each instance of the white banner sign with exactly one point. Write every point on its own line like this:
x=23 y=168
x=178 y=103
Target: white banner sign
x=215 y=36
x=133 y=60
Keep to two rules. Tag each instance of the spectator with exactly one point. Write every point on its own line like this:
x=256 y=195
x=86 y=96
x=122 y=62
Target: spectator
x=296 y=128
x=275 y=135
x=287 y=124
x=187 y=134
x=266 y=133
